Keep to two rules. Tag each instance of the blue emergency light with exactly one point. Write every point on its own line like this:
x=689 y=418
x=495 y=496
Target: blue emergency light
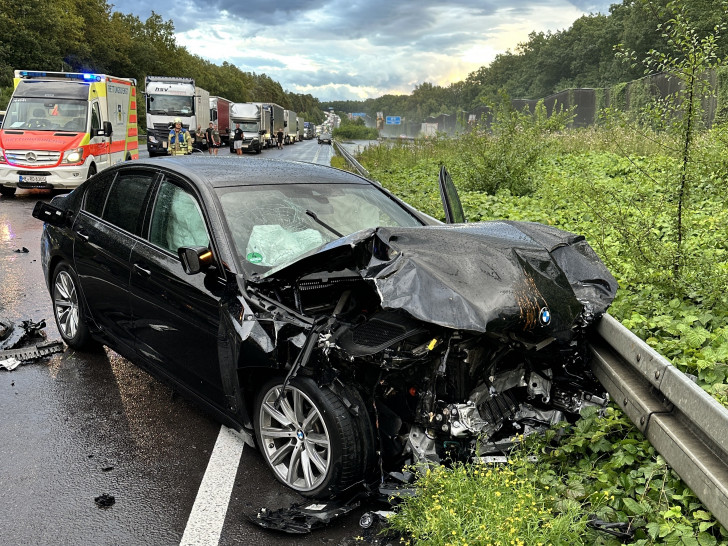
x=71 y=76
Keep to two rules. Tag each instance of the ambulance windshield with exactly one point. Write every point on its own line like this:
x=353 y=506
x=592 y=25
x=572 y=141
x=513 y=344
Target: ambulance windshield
x=37 y=114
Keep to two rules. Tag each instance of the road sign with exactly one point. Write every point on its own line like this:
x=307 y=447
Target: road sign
x=359 y=115
x=394 y=120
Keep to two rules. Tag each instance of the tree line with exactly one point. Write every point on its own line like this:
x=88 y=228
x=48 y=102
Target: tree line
x=87 y=35
x=582 y=56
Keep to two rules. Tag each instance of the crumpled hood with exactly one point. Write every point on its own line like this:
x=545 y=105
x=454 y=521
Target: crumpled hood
x=488 y=276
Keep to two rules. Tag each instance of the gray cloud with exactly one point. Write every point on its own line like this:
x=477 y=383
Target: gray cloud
x=354 y=45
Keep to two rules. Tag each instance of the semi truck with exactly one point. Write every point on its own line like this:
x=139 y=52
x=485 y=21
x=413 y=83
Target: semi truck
x=61 y=128
x=290 y=123
x=254 y=119
x=299 y=124
x=220 y=114
x=309 y=130
x=277 y=122
x=169 y=98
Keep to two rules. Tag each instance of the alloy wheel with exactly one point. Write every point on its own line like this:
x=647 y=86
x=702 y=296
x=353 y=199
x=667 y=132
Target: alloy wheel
x=294 y=438
x=65 y=303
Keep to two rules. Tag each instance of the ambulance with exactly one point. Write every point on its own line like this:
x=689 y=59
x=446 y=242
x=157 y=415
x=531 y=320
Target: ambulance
x=60 y=128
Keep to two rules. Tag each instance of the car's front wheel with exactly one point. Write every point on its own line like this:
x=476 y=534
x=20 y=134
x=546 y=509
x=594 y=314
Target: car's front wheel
x=68 y=309
x=308 y=437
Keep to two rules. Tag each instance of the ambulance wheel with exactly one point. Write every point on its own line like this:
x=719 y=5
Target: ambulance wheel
x=7 y=192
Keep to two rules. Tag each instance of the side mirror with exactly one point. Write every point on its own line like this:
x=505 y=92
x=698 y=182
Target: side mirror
x=195 y=259
x=49 y=214
x=108 y=129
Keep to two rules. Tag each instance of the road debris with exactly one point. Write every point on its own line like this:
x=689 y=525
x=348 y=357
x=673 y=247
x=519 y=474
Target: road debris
x=13 y=335
x=105 y=500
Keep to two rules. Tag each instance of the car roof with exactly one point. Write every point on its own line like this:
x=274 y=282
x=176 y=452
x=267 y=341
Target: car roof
x=222 y=172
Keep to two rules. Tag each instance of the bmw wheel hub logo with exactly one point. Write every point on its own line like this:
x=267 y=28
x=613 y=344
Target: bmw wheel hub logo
x=544 y=316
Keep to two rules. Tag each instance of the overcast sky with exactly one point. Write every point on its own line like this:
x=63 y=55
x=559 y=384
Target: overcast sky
x=354 y=49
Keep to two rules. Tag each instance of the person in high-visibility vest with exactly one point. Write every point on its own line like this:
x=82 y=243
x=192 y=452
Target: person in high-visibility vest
x=179 y=139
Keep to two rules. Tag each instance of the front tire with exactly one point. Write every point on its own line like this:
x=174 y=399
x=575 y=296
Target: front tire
x=68 y=308
x=308 y=438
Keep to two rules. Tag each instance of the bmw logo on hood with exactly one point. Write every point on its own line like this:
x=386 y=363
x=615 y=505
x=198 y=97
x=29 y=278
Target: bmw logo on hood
x=544 y=316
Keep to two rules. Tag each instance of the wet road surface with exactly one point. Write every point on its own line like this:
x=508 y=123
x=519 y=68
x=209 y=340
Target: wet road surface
x=85 y=425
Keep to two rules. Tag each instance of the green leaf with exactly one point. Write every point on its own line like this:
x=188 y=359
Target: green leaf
x=633 y=506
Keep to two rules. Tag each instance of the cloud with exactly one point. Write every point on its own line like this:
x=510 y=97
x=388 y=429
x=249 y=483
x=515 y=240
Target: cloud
x=335 y=49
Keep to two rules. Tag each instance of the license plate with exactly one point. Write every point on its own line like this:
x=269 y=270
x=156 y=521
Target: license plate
x=27 y=181
x=164 y=144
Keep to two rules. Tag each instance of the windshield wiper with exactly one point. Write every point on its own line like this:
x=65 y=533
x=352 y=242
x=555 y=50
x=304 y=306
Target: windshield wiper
x=316 y=219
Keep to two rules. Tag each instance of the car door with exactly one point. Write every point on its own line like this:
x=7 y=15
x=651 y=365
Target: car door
x=105 y=231
x=100 y=144
x=450 y=199
x=176 y=316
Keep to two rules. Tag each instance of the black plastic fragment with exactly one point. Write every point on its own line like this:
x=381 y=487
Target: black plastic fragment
x=620 y=529
x=105 y=500
x=303 y=518
x=33 y=352
x=12 y=334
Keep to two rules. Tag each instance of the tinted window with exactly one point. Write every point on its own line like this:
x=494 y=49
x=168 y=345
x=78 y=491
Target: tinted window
x=177 y=220
x=124 y=206
x=96 y=193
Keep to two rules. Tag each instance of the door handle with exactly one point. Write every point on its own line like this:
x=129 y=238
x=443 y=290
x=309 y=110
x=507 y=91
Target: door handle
x=142 y=271
x=82 y=235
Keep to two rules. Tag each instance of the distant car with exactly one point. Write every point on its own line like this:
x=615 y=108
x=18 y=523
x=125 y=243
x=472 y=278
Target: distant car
x=324 y=138
x=340 y=330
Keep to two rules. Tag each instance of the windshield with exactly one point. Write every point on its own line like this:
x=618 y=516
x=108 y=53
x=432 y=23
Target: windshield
x=46 y=114
x=275 y=225
x=172 y=105
x=249 y=126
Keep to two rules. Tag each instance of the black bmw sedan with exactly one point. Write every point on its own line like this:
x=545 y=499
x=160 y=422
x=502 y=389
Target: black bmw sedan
x=344 y=333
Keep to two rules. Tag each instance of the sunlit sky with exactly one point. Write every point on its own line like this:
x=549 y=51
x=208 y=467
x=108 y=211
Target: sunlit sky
x=350 y=49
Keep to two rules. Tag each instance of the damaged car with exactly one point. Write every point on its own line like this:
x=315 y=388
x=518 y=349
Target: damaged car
x=341 y=331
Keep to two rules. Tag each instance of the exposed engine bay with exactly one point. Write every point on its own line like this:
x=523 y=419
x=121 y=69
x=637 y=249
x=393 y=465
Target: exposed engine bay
x=456 y=339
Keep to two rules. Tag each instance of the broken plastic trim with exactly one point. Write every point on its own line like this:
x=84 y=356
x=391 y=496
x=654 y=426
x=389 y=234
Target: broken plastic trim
x=302 y=519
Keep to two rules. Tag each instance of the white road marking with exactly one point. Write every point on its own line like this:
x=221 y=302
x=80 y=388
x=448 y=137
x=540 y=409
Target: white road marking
x=204 y=525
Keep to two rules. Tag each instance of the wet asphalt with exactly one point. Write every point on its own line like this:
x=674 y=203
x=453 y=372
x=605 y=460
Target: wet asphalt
x=95 y=451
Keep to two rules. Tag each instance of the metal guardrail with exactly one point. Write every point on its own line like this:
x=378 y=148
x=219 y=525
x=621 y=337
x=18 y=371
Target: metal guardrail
x=684 y=423
x=350 y=159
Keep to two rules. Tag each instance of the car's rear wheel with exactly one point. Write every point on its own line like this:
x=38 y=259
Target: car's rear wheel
x=308 y=437
x=68 y=309
x=7 y=192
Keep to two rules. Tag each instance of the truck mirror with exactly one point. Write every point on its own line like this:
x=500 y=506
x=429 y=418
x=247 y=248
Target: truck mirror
x=108 y=129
